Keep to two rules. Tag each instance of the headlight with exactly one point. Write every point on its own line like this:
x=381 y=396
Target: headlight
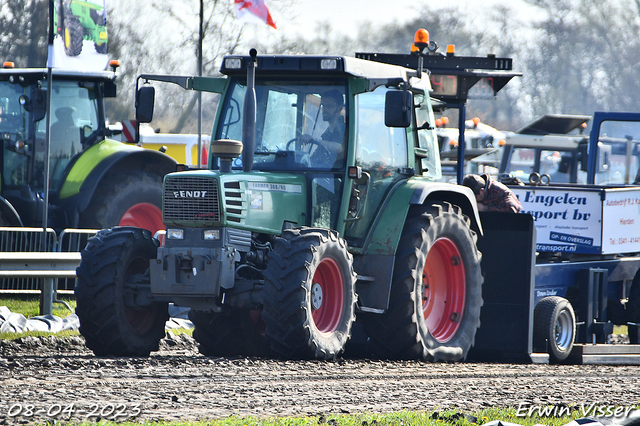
x=211 y=234
x=175 y=234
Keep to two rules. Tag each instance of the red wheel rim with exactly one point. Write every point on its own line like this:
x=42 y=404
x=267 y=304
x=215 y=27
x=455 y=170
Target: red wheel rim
x=143 y=215
x=444 y=291
x=327 y=296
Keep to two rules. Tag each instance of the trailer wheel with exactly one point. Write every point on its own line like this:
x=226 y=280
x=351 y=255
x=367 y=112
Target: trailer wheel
x=73 y=37
x=112 y=292
x=554 y=327
x=309 y=294
x=133 y=199
x=436 y=290
x=232 y=333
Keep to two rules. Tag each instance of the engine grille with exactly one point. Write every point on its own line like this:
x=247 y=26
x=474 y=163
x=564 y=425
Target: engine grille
x=191 y=199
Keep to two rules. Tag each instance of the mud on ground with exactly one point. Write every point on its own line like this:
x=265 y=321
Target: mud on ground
x=51 y=378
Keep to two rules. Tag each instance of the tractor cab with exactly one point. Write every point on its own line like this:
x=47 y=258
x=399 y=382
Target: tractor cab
x=77 y=122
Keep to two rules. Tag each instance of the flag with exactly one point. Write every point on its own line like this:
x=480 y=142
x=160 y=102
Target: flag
x=253 y=11
x=78 y=35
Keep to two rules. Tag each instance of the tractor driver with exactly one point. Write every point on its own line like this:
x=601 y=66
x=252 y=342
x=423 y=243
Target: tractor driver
x=491 y=195
x=333 y=137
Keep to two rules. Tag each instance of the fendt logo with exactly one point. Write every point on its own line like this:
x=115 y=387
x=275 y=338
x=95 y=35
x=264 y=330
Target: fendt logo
x=190 y=194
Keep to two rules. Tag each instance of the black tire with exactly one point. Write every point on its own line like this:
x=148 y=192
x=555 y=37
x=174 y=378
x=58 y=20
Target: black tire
x=423 y=320
x=73 y=36
x=632 y=307
x=113 y=267
x=102 y=48
x=554 y=328
x=130 y=199
x=232 y=333
x=309 y=294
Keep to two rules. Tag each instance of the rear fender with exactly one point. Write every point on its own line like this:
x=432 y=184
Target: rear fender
x=375 y=265
x=101 y=160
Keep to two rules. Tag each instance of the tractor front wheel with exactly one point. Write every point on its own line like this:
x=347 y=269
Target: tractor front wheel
x=309 y=294
x=112 y=292
x=102 y=48
x=436 y=290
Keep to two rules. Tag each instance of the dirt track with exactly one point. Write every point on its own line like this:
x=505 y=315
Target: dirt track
x=64 y=380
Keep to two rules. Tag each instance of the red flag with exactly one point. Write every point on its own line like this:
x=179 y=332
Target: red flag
x=253 y=11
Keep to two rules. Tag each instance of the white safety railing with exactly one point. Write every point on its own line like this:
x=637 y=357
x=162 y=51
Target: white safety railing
x=28 y=264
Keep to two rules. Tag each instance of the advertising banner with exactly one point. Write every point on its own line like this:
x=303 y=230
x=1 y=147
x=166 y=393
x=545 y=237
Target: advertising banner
x=620 y=211
x=581 y=220
x=566 y=219
x=78 y=35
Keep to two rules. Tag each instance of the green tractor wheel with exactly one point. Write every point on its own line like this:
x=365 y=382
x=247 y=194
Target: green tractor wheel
x=112 y=292
x=73 y=36
x=309 y=294
x=101 y=48
x=436 y=292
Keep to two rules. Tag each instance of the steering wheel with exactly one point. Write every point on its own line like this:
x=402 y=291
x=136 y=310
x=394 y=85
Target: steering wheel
x=320 y=156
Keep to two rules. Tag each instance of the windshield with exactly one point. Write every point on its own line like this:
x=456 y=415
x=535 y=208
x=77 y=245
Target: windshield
x=299 y=125
x=75 y=119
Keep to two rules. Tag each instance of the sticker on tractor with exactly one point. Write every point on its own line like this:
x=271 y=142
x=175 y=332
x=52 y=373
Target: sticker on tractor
x=275 y=187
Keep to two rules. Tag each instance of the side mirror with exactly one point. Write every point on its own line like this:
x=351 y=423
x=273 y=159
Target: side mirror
x=145 y=99
x=398 y=106
x=36 y=104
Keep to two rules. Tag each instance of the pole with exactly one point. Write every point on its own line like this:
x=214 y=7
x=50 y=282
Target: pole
x=461 y=143
x=46 y=294
x=200 y=75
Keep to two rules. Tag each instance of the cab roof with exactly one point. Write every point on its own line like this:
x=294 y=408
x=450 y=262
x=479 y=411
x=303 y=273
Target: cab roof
x=330 y=65
x=37 y=73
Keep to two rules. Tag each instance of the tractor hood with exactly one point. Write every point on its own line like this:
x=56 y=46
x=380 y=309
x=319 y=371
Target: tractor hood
x=203 y=198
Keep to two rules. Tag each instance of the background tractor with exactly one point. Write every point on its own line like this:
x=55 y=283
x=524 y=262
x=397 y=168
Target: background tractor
x=95 y=182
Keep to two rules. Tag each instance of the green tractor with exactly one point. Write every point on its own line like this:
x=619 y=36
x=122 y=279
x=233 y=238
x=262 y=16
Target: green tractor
x=286 y=239
x=76 y=21
x=94 y=182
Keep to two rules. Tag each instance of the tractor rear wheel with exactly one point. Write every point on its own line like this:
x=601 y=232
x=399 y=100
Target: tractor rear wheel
x=232 y=333
x=436 y=290
x=133 y=199
x=73 y=36
x=309 y=294
x=112 y=292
